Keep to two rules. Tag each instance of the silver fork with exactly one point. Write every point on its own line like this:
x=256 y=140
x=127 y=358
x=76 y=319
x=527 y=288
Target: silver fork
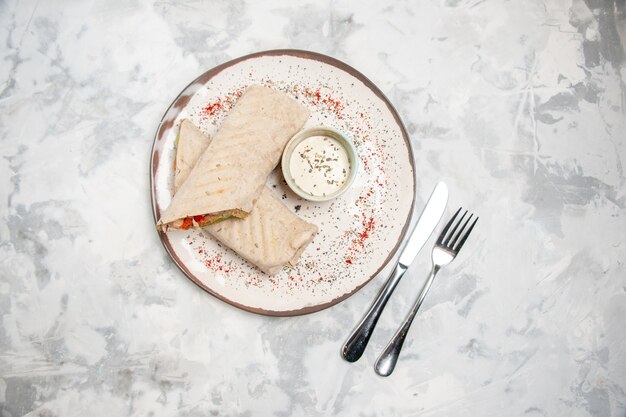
x=445 y=250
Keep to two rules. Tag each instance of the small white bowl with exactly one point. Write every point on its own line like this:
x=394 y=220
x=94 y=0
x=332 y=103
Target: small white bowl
x=347 y=144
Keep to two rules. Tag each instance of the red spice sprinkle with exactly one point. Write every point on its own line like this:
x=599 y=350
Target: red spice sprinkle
x=315 y=95
x=214 y=264
x=331 y=104
x=349 y=261
x=368 y=228
x=222 y=104
x=213 y=108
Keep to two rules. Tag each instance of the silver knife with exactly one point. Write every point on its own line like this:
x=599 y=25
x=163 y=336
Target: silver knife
x=436 y=205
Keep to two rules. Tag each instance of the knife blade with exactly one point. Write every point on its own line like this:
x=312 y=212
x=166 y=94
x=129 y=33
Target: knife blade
x=360 y=336
x=426 y=224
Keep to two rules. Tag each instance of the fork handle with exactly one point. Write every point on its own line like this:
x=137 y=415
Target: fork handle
x=387 y=360
x=357 y=342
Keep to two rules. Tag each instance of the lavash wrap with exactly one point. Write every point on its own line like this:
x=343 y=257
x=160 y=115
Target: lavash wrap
x=271 y=237
x=231 y=172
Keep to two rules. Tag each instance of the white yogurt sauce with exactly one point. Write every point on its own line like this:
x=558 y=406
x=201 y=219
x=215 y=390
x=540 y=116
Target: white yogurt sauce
x=319 y=165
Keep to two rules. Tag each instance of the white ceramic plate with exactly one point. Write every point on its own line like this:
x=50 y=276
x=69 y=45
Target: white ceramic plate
x=359 y=232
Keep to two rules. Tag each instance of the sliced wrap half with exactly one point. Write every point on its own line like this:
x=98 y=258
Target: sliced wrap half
x=271 y=237
x=231 y=172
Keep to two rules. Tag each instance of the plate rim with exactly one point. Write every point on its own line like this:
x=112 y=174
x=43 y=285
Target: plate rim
x=182 y=99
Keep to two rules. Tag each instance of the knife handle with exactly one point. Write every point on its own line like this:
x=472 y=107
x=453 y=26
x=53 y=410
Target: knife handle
x=386 y=362
x=357 y=342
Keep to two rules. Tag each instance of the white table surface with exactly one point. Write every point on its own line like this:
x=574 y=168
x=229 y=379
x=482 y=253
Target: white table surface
x=518 y=106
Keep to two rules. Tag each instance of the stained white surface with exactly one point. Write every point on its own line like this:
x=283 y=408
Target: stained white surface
x=518 y=106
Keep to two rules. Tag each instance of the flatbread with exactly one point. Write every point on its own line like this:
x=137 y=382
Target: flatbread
x=271 y=237
x=187 y=151
x=229 y=176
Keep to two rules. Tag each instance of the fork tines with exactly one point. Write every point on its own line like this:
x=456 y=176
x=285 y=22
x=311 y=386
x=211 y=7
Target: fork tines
x=454 y=240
